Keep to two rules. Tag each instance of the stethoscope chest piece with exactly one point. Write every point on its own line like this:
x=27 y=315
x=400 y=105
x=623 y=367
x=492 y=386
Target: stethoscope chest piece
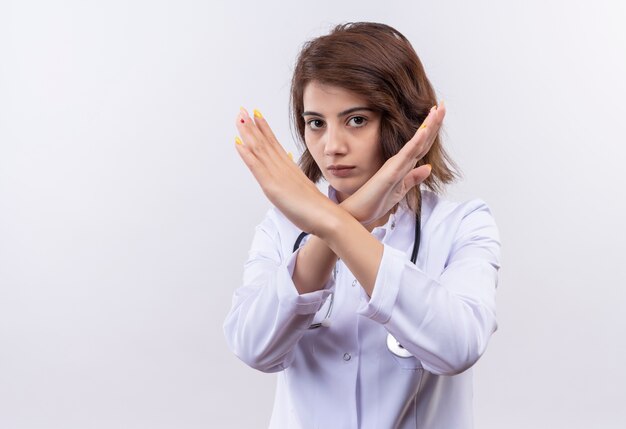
x=396 y=348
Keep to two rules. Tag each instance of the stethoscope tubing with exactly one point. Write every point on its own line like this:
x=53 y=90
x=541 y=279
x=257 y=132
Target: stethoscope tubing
x=393 y=345
x=416 y=242
x=416 y=246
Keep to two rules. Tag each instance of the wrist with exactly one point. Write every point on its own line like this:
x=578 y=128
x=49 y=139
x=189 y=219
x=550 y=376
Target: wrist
x=335 y=223
x=345 y=204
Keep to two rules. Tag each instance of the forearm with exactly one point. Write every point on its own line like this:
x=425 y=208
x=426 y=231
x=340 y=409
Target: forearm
x=353 y=243
x=445 y=322
x=261 y=330
x=315 y=262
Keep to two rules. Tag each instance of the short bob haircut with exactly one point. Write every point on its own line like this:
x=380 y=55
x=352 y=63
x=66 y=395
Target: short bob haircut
x=377 y=62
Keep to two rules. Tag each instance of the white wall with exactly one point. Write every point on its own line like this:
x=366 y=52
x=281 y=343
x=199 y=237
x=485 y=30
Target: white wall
x=126 y=213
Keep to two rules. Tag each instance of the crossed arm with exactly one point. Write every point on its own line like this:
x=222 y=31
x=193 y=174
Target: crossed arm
x=338 y=231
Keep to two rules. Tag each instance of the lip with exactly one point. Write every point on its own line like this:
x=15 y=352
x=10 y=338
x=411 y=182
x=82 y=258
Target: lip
x=340 y=170
x=339 y=167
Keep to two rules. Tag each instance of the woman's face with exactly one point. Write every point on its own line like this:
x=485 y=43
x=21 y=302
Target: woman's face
x=342 y=133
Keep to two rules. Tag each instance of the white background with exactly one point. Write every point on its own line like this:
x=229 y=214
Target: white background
x=126 y=213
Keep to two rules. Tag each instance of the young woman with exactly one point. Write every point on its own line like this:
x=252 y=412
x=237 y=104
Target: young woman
x=372 y=303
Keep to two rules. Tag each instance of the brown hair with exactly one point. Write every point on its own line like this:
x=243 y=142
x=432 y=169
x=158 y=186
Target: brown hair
x=377 y=62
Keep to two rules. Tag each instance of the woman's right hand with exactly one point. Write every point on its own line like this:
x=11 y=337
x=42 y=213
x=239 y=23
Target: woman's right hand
x=398 y=174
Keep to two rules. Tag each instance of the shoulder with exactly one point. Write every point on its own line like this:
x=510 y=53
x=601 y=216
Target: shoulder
x=440 y=210
x=461 y=223
x=467 y=229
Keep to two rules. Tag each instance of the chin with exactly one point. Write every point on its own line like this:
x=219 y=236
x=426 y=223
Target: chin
x=344 y=188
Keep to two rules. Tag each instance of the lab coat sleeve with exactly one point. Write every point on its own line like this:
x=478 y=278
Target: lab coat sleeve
x=444 y=322
x=268 y=315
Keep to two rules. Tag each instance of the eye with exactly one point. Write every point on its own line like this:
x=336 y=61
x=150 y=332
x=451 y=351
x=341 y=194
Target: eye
x=360 y=121
x=313 y=121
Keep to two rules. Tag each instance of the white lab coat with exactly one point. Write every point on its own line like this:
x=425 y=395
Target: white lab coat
x=442 y=310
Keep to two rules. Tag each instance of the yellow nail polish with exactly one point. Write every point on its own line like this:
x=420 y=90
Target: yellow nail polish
x=238 y=140
x=423 y=126
x=257 y=114
x=290 y=155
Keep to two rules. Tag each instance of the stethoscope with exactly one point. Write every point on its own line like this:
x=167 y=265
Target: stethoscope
x=392 y=344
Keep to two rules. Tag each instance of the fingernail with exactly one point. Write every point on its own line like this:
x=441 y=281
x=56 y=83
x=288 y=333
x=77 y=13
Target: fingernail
x=423 y=126
x=257 y=114
x=238 y=140
x=290 y=155
x=433 y=108
x=430 y=167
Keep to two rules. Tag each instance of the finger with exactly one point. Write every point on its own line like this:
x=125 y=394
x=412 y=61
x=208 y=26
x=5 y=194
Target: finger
x=439 y=115
x=417 y=176
x=426 y=135
x=263 y=159
x=264 y=127
x=413 y=147
x=247 y=155
x=256 y=142
x=250 y=134
x=434 y=132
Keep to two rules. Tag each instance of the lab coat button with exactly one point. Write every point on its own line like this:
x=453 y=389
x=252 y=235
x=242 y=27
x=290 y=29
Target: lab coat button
x=347 y=357
x=354 y=283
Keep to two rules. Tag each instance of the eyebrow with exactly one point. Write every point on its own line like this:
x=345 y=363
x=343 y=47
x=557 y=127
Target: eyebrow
x=340 y=114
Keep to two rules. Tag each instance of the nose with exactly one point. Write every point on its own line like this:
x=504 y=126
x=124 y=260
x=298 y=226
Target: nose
x=335 y=143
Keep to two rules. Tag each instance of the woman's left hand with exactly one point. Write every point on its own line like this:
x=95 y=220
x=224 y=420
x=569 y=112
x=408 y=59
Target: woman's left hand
x=398 y=175
x=284 y=184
